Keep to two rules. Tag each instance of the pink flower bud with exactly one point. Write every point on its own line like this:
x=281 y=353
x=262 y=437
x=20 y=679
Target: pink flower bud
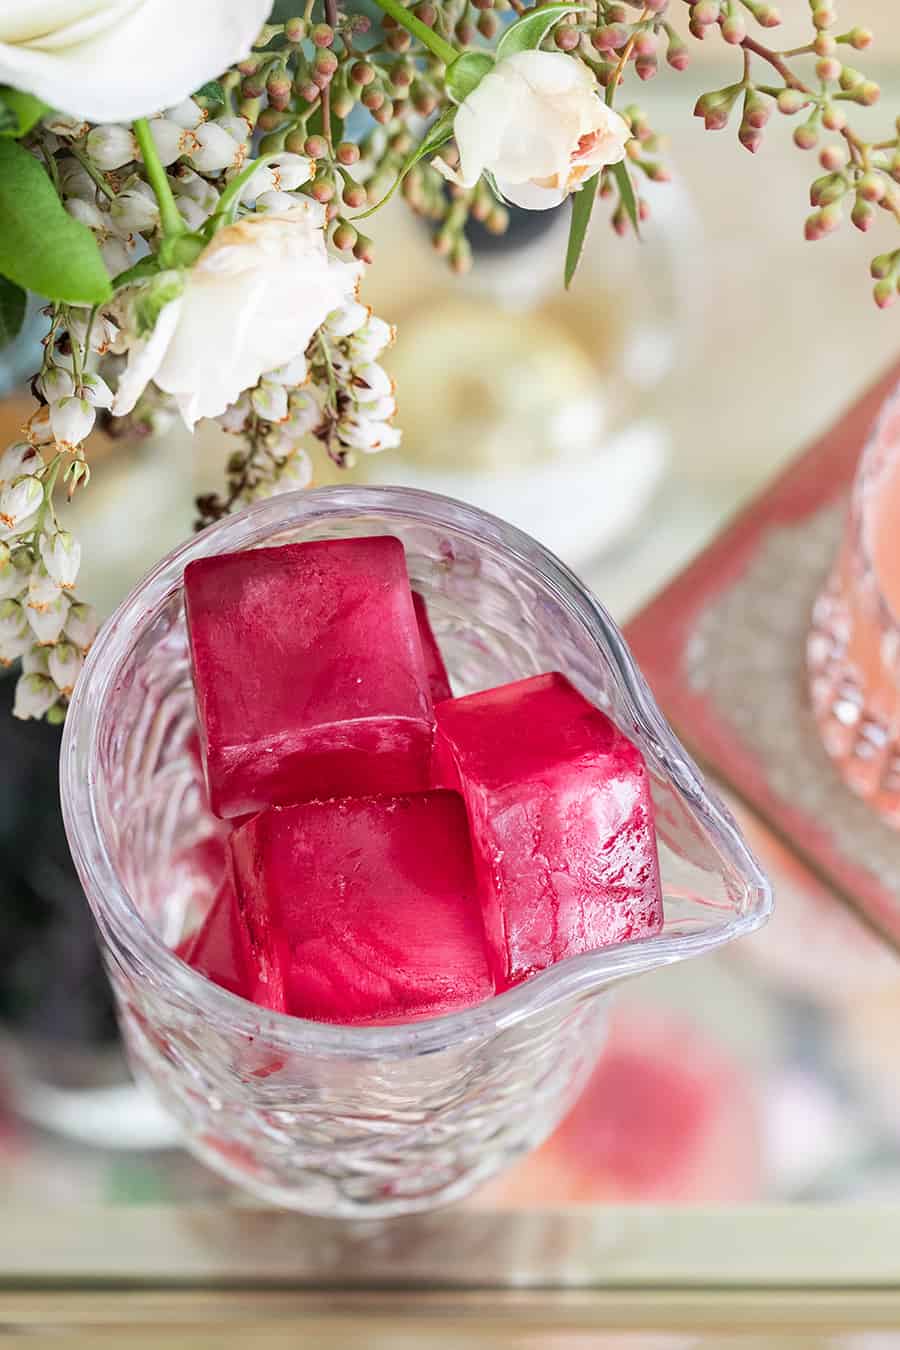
x=806 y=137
x=734 y=30
x=828 y=68
x=863 y=214
x=885 y=294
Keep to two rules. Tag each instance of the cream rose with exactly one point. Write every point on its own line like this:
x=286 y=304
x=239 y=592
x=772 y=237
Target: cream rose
x=112 y=60
x=538 y=125
x=250 y=303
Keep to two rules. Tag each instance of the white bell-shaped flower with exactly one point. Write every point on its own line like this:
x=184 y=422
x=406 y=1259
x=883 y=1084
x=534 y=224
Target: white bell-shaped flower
x=19 y=500
x=12 y=580
x=56 y=383
x=61 y=553
x=274 y=201
x=187 y=113
x=18 y=458
x=134 y=211
x=35 y=695
x=350 y=318
x=74 y=180
x=234 y=418
x=64 y=662
x=81 y=625
x=192 y=213
x=290 y=374
x=116 y=255
x=111 y=146
x=13 y=620
x=171 y=140
x=270 y=401
x=43 y=590
x=371 y=382
x=95 y=389
x=47 y=624
x=292 y=171
x=72 y=419
x=216 y=150
x=34 y=660
x=12 y=649
x=238 y=128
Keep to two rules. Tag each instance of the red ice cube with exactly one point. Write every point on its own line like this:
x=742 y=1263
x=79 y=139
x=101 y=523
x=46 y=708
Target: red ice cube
x=561 y=822
x=221 y=950
x=365 y=909
x=309 y=673
x=435 y=670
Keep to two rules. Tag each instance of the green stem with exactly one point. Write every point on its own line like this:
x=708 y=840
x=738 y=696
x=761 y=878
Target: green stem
x=169 y=215
x=93 y=172
x=435 y=44
x=228 y=202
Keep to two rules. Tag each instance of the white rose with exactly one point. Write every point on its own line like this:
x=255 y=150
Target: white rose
x=537 y=123
x=268 y=283
x=109 y=61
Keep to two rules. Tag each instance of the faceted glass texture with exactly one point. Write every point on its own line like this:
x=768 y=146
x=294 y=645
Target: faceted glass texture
x=359 y=1121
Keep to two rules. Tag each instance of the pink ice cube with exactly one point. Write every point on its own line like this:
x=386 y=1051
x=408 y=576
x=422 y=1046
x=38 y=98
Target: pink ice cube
x=308 y=672
x=436 y=671
x=365 y=909
x=221 y=950
x=561 y=822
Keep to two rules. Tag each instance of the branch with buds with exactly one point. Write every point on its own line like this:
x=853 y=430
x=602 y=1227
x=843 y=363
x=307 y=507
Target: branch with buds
x=195 y=216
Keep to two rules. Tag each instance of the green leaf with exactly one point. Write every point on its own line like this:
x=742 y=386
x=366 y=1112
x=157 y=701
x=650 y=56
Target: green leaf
x=12 y=310
x=626 y=192
x=211 y=92
x=438 y=134
x=143 y=270
x=582 y=206
x=41 y=247
x=466 y=74
x=19 y=111
x=527 y=33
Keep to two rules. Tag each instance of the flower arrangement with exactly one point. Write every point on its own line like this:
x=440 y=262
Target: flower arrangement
x=193 y=210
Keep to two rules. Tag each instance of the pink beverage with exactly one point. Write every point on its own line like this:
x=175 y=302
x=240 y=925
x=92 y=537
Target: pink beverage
x=854 y=643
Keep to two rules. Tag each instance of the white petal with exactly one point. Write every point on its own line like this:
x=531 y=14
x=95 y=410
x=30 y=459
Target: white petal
x=268 y=281
x=118 y=59
x=532 y=197
x=144 y=358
